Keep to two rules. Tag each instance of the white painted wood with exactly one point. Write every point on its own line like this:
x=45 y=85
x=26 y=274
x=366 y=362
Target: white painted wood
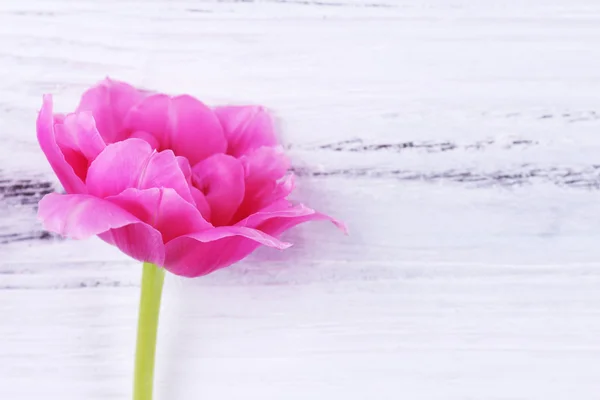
x=458 y=140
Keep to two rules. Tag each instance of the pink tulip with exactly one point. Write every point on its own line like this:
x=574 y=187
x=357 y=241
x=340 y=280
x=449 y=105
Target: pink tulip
x=168 y=180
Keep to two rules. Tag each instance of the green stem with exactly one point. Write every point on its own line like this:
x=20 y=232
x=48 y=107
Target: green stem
x=152 y=284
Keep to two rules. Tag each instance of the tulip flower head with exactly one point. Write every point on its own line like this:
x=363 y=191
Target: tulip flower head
x=167 y=179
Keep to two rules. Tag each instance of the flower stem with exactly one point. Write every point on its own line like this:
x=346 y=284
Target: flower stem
x=152 y=284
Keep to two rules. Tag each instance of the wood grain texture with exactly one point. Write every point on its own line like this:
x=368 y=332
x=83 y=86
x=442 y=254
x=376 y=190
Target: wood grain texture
x=458 y=140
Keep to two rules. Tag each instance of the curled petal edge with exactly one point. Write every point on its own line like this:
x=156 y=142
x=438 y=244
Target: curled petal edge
x=284 y=210
x=203 y=252
x=83 y=216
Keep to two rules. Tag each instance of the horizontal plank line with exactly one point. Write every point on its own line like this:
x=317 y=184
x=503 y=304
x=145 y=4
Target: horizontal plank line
x=521 y=175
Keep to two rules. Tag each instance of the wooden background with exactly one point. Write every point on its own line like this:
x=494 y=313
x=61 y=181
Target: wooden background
x=459 y=140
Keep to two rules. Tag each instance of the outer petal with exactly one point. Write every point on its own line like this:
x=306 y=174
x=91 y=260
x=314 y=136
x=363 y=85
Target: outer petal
x=82 y=216
x=138 y=242
x=283 y=215
x=263 y=169
x=133 y=164
x=246 y=128
x=221 y=179
x=195 y=131
x=163 y=209
x=282 y=189
x=203 y=252
x=47 y=139
x=110 y=101
x=265 y=163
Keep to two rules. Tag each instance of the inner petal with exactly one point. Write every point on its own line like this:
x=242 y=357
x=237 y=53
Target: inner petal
x=163 y=209
x=133 y=164
x=221 y=179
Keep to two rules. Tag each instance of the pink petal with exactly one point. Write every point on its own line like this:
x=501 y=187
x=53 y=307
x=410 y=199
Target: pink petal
x=163 y=209
x=283 y=188
x=201 y=203
x=164 y=170
x=195 y=131
x=110 y=101
x=133 y=164
x=221 y=179
x=184 y=165
x=59 y=118
x=151 y=116
x=79 y=141
x=47 y=139
x=265 y=163
x=283 y=215
x=279 y=209
x=77 y=161
x=203 y=252
x=78 y=132
x=181 y=123
x=148 y=137
x=118 y=167
x=264 y=170
x=246 y=128
x=138 y=242
x=82 y=216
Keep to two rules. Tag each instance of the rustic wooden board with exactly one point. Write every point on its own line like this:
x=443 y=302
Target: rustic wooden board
x=459 y=141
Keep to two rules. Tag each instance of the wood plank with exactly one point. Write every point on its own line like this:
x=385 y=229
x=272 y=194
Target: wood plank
x=457 y=140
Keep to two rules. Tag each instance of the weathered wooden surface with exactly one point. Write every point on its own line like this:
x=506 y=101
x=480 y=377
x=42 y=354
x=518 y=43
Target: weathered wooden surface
x=458 y=140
